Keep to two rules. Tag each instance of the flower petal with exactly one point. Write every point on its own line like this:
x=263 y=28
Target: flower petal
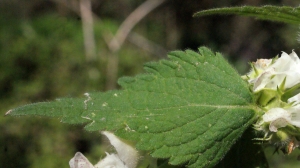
x=295 y=99
x=125 y=152
x=278 y=117
x=261 y=81
x=80 y=161
x=295 y=57
x=262 y=63
x=278 y=123
x=110 y=161
x=266 y=74
x=295 y=115
x=274 y=114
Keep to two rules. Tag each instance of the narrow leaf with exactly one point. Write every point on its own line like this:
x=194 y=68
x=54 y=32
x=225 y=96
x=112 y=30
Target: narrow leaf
x=190 y=109
x=284 y=14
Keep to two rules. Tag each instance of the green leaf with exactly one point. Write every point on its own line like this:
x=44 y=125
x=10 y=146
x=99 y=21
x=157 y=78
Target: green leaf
x=284 y=14
x=191 y=108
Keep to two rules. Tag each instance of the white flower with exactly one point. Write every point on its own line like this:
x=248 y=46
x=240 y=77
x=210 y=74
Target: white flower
x=111 y=161
x=260 y=66
x=126 y=157
x=278 y=117
x=294 y=100
x=281 y=117
x=125 y=152
x=266 y=74
x=80 y=161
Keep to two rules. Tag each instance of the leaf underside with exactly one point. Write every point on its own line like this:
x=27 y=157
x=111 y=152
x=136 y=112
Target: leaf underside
x=190 y=109
x=284 y=14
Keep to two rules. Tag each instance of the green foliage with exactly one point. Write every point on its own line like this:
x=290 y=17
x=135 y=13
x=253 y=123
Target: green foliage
x=285 y=14
x=191 y=108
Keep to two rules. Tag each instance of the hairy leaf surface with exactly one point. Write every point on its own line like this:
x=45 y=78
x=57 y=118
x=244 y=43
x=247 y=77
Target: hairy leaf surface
x=190 y=109
x=273 y=13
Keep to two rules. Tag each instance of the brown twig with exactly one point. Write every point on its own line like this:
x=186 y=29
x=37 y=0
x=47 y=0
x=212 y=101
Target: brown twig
x=88 y=29
x=138 y=14
x=115 y=43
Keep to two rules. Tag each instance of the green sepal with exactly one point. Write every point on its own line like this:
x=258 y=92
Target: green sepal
x=290 y=92
x=266 y=96
x=292 y=130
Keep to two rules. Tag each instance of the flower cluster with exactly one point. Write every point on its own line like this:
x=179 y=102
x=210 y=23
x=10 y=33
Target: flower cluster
x=275 y=83
x=271 y=73
x=126 y=157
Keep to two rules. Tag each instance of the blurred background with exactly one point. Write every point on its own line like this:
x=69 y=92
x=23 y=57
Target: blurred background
x=64 y=48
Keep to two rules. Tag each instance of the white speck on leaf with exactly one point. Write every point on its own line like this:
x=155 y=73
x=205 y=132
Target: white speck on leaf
x=104 y=104
x=86 y=118
x=9 y=111
x=88 y=99
x=127 y=128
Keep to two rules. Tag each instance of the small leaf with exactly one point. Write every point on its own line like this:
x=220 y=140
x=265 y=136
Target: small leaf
x=191 y=108
x=284 y=14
